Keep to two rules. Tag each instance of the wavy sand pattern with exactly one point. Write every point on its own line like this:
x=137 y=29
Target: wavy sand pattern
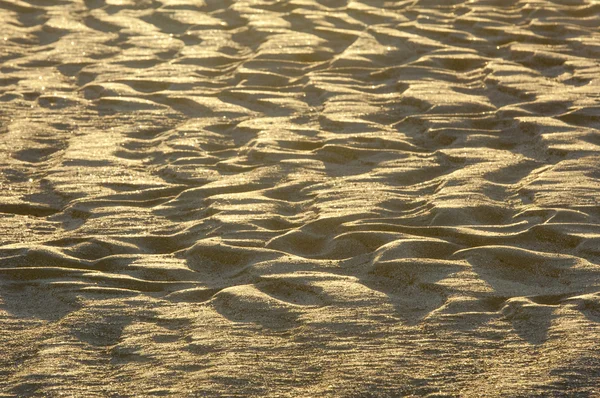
x=299 y=198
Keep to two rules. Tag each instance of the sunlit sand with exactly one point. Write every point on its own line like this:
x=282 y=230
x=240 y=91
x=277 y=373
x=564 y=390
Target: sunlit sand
x=299 y=198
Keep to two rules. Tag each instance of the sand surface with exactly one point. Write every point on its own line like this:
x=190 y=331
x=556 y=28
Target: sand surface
x=299 y=198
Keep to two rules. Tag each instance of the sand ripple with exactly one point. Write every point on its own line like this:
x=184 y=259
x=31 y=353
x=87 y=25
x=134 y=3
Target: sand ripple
x=299 y=198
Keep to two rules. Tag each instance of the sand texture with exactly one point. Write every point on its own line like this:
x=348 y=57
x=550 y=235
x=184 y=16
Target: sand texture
x=299 y=198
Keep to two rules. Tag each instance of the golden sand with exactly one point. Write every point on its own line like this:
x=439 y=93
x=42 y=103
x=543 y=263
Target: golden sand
x=299 y=198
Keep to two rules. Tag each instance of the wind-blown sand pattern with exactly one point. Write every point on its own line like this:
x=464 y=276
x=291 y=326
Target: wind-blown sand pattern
x=296 y=198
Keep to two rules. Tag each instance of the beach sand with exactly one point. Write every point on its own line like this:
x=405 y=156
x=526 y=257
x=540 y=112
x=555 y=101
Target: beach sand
x=299 y=198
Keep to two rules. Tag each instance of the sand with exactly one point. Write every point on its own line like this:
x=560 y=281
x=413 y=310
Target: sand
x=299 y=198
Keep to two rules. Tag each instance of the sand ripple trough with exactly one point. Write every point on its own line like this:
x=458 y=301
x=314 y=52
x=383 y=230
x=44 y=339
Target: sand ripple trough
x=299 y=198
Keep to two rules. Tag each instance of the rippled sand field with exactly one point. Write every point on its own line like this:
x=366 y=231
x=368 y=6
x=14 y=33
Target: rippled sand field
x=299 y=198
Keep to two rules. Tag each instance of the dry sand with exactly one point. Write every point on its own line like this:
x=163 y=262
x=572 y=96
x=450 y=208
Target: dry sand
x=299 y=198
